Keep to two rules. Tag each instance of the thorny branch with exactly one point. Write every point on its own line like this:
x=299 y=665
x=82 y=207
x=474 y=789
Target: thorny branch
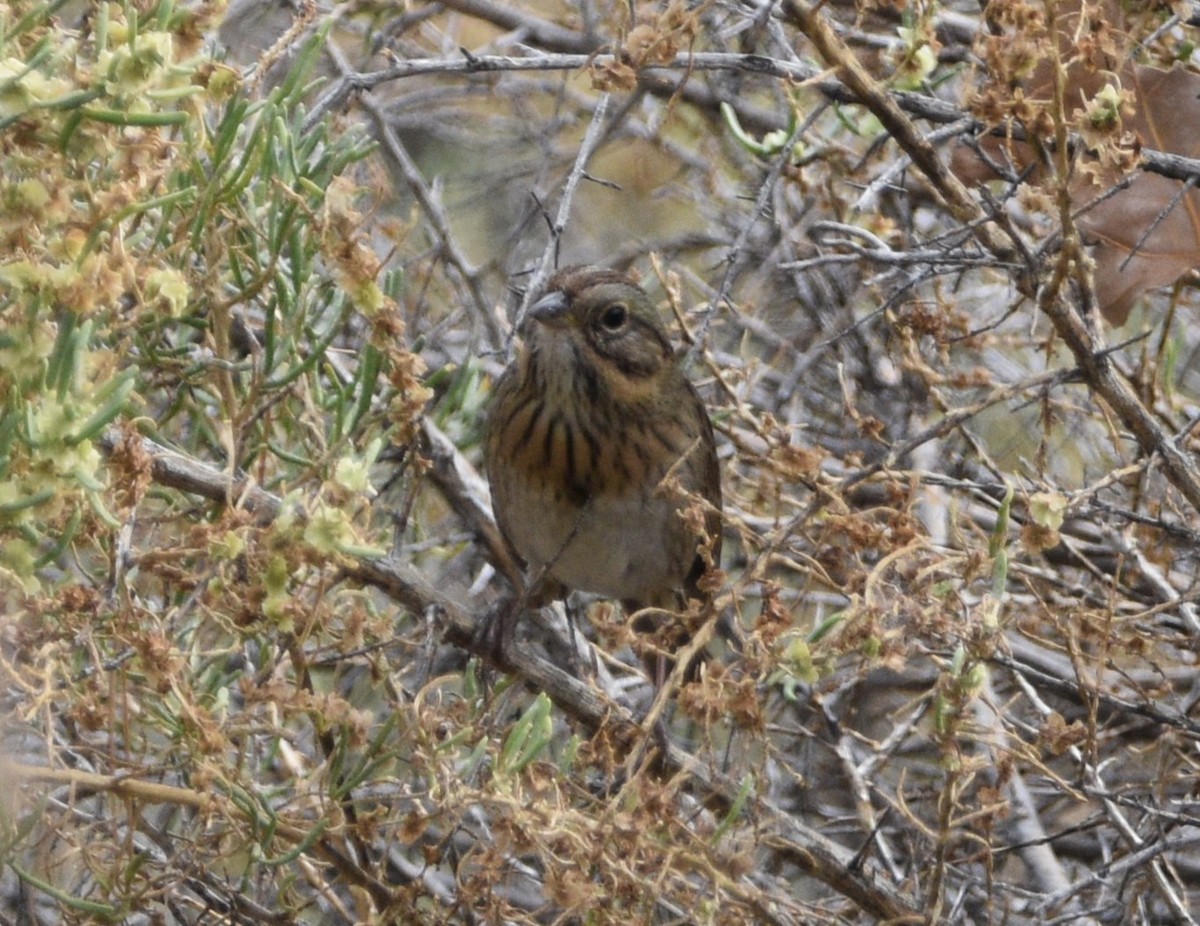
x=430 y=204
x=1085 y=344
x=546 y=264
x=856 y=86
x=803 y=846
x=869 y=94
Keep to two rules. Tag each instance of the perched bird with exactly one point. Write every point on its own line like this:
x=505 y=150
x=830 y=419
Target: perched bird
x=596 y=444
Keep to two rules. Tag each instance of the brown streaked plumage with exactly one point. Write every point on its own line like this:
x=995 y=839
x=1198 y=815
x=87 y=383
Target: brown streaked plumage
x=586 y=425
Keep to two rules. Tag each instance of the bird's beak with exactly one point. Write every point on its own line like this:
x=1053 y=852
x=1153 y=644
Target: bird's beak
x=551 y=309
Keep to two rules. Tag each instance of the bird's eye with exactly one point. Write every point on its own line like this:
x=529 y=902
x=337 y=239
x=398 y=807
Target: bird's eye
x=613 y=318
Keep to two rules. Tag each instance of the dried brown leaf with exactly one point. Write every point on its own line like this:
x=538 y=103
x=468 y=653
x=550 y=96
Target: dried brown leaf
x=1147 y=233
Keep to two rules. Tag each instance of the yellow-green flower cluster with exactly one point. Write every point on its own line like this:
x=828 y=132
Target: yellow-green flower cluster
x=88 y=121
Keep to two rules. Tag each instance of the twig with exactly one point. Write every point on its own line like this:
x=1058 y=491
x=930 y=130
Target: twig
x=1118 y=870
x=1087 y=345
x=1052 y=673
x=545 y=262
x=152 y=792
x=1028 y=832
x=1099 y=371
x=890 y=111
x=467 y=494
x=429 y=203
x=732 y=256
x=920 y=105
x=527 y=27
x=957 y=417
